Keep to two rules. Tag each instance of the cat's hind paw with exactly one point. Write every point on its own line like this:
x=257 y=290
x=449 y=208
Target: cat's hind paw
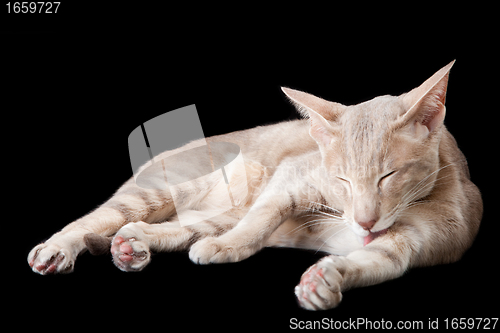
x=319 y=287
x=130 y=254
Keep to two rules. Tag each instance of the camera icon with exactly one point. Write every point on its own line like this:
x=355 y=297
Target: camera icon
x=170 y=152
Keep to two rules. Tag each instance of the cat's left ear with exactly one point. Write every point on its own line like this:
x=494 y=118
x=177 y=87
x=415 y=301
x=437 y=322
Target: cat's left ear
x=320 y=111
x=425 y=104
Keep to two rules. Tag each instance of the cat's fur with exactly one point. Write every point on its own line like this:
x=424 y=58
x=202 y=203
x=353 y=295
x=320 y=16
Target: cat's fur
x=381 y=186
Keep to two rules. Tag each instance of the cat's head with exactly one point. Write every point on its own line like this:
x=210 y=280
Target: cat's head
x=378 y=154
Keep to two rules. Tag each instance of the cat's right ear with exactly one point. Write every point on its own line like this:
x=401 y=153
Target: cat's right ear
x=318 y=110
x=425 y=104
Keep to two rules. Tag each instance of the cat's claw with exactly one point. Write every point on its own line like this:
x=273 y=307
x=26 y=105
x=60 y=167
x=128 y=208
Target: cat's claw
x=130 y=254
x=319 y=287
x=51 y=259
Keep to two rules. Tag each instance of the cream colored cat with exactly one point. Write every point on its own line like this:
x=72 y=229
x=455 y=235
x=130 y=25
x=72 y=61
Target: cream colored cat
x=381 y=186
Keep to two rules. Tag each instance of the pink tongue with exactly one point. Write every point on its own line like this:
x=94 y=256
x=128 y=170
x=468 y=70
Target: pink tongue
x=368 y=239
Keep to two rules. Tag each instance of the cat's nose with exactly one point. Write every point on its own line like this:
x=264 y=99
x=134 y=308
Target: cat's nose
x=367 y=225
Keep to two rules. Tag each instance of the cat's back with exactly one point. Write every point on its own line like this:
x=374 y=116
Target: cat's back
x=458 y=186
x=450 y=153
x=271 y=144
x=449 y=149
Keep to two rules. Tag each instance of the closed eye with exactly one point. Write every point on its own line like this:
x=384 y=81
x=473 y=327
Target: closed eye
x=386 y=176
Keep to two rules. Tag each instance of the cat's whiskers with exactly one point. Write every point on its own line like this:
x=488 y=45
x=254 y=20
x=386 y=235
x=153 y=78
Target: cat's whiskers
x=326 y=240
x=324 y=231
x=326 y=206
x=423 y=182
x=410 y=199
x=314 y=210
x=327 y=218
x=329 y=215
x=330 y=219
x=312 y=223
x=413 y=198
x=419 y=191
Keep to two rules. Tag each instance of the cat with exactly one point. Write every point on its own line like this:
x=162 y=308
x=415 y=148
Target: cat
x=380 y=187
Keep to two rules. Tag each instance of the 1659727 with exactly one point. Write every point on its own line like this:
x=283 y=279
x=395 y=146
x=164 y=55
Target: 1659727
x=38 y=7
x=470 y=323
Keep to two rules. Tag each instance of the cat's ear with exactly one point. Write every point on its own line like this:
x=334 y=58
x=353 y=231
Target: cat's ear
x=425 y=104
x=318 y=110
x=305 y=103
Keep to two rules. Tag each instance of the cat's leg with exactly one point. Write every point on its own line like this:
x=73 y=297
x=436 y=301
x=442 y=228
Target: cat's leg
x=386 y=258
x=250 y=235
x=132 y=245
x=129 y=204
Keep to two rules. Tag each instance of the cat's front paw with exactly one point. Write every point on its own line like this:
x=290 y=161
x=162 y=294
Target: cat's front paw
x=215 y=251
x=51 y=259
x=319 y=287
x=130 y=252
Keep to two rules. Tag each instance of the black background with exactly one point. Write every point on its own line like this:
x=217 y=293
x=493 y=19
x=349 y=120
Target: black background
x=76 y=85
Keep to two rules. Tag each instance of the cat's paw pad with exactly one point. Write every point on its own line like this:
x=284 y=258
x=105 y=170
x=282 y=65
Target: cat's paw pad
x=51 y=259
x=129 y=253
x=215 y=251
x=319 y=287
